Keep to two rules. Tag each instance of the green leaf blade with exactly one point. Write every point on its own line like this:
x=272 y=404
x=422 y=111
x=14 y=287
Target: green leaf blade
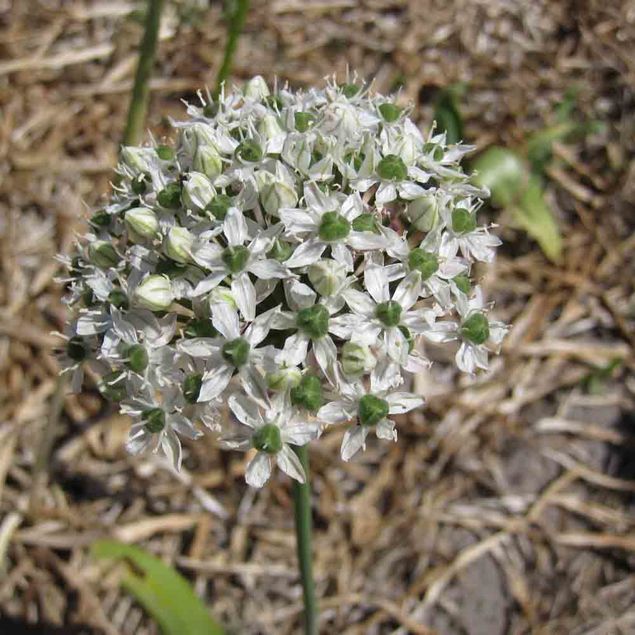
x=163 y=592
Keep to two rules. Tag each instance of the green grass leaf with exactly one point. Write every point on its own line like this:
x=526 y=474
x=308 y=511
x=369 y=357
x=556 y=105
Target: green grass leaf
x=447 y=114
x=164 y=593
x=514 y=187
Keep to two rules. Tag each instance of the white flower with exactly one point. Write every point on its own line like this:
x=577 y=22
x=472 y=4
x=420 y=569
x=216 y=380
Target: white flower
x=371 y=408
x=269 y=429
x=154 y=293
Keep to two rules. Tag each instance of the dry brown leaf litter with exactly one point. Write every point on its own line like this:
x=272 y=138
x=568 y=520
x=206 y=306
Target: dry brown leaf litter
x=505 y=507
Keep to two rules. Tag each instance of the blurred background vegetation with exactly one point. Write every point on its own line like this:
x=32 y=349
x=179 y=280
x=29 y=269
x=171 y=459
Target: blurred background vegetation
x=507 y=504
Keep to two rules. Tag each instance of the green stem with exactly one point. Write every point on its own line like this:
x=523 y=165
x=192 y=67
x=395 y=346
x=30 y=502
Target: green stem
x=236 y=12
x=141 y=89
x=303 y=529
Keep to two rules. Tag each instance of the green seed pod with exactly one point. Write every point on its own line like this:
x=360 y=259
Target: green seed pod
x=200 y=328
x=463 y=283
x=356 y=359
x=392 y=168
x=424 y=262
x=267 y=439
x=113 y=386
x=388 y=313
x=76 y=348
x=102 y=254
x=137 y=360
x=314 y=321
x=389 y=112
x=303 y=121
x=333 y=227
x=100 y=219
x=235 y=258
x=236 y=351
x=350 y=90
x=249 y=151
x=327 y=276
x=308 y=394
x=139 y=184
x=154 y=419
x=154 y=293
x=165 y=153
x=219 y=206
x=371 y=410
x=366 y=222
x=142 y=224
x=280 y=250
x=118 y=299
x=463 y=222
x=192 y=387
x=170 y=196
x=476 y=328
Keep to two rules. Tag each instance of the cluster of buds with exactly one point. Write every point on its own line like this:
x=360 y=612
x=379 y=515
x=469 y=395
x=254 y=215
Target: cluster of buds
x=287 y=257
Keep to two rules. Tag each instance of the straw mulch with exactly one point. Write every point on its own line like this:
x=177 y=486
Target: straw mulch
x=506 y=507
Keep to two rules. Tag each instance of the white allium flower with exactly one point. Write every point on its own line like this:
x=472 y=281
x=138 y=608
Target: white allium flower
x=288 y=256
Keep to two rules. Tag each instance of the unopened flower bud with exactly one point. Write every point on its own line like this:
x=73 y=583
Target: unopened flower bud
x=275 y=194
x=221 y=294
x=423 y=213
x=102 y=254
x=197 y=191
x=357 y=359
x=256 y=88
x=327 y=276
x=208 y=161
x=142 y=223
x=178 y=244
x=270 y=127
x=155 y=293
x=283 y=378
x=137 y=159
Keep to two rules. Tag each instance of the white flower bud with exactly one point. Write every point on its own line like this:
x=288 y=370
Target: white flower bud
x=256 y=88
x=269 y=127
x=423 y=213
x=221 y=294
x=327 y=276
x=142 y=223
x=138 y=159
x=208 y=161
x=154 y=293
x=283 y=378
x=197 y=191
x=102 y=254
x=178 y=244
x=357 y=359
x=276 y=191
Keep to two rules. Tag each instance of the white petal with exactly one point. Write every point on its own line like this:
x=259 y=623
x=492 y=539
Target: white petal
x=297 y=221
x=360 y=302
x=342 y=254
x=290 y=464
x=363 y=241
x=299 y=295
x=295 y=349
x=385 y=193
x=300 y=433
x=198 y=347
x=465 y=358
x=225 y=320
x=325 y=354
x=410 y=191
x=306 y=253
x=401 y=402
x=214 y=382
x=335 y=412
x=171 y=447
x=408 y=290
x=376 y=282
x=267 y=269
x=245 y=410
x=343 y=326
x=385 y=429
x=244 y=294
x=258 y=470
x=235 y=227
x=353 y=441
x=209 y=283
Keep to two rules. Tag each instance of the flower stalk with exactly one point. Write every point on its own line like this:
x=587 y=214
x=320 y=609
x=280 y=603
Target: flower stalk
x=304 y=531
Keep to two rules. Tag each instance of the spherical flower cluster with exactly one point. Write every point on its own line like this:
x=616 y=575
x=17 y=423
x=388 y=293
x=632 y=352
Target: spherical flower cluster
x=287 y=257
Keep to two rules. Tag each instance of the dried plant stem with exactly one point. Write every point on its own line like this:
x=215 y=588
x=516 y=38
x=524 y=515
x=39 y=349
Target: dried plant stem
x=141 y=88
x=236 y=11
x=304 y=529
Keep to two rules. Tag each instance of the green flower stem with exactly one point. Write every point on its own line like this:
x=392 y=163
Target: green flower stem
x=141 y=87
x=236 y=12
x=303 y=529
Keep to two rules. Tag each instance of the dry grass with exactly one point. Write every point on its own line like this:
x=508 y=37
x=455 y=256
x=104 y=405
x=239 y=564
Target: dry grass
x=507 y=505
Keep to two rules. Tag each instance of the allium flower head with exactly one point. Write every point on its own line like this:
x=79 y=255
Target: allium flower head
x=288 y=256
